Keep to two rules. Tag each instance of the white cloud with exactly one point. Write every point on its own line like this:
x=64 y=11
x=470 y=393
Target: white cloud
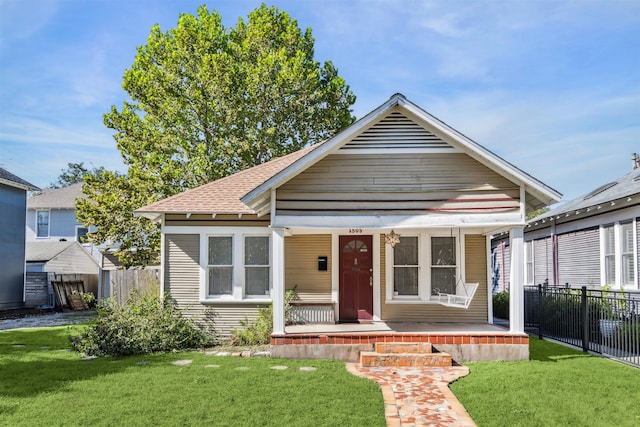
x=21 y=19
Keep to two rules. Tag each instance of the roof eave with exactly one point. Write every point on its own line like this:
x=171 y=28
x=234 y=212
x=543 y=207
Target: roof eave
x=542 y=191
x=26 y=187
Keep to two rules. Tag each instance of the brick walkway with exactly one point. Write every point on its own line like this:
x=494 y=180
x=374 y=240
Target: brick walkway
x=418 y=396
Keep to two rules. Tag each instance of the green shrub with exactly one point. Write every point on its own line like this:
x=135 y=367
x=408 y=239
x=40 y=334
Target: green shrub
x=89 y=298
x=145 y=324
x=628 y=337
x=259 y=330
x=501 y=305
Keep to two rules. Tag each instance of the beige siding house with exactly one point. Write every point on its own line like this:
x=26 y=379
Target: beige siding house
x=386 y=222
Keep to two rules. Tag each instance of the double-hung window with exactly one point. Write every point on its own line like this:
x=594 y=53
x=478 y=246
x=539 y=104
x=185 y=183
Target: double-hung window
x=405 y=267
x=443 y=265
x=528 y=259
x=256 y=265
x=618 y=254
x=628 y=269
x=42 y=224
x=609 y=254
x=238 y=266
x=220 y=265
x=422 y=265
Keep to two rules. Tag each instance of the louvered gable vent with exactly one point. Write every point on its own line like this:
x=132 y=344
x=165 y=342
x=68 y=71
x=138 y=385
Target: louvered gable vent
x=398 y=133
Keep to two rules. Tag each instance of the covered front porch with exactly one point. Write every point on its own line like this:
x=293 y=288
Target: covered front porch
x=345 y=341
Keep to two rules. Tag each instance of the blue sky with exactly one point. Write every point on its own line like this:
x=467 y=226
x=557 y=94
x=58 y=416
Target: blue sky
x=551 y=86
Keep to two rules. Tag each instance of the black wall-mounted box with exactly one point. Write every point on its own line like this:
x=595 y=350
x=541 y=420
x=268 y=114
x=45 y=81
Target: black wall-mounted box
x=322 y=263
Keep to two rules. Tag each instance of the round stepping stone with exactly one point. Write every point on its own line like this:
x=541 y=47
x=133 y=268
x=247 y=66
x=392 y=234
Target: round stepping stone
x=18 y=345
x=308 y=369
x=142 y=363
x=211 y=366
x=87 y=358
x=280 y=368
x=44 y=347
x=242 y=368
x=183 y=362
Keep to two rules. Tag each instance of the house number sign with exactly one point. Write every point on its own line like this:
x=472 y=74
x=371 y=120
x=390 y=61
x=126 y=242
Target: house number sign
x=355 y=231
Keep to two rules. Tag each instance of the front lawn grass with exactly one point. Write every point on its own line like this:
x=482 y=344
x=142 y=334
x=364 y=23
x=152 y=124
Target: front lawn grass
x=42 y=382
x=558 y=386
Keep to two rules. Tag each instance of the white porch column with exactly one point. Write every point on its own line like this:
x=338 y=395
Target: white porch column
x=516 y=281
x=277 y=293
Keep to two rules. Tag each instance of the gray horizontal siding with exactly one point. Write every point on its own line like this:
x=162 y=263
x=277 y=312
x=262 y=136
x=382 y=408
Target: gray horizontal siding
x=398 y=183
x=542 y=261
x=579 y=257
x=182 y=270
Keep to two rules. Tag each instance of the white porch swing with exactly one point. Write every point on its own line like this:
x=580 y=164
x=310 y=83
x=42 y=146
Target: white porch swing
x=461 y=299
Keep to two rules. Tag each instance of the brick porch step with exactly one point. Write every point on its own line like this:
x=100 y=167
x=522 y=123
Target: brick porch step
x=404 y=347
x=404 y=355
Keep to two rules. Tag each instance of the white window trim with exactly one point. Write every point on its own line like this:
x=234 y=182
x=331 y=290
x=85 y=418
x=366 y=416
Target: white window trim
x=78 y=227
x=206 y=268
x=48 y=224
x=617 y=227
x=424 y=267
x=244 y=266
x=238 y=235
x=529 y=250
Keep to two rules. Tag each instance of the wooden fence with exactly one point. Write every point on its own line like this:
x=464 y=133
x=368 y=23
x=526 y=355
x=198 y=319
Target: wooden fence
x=119 y=284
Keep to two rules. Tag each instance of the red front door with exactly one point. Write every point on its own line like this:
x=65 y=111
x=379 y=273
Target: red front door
x=356 y=278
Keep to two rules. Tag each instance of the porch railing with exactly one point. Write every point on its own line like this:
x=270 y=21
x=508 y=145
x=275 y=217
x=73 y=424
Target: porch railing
x=605 y=322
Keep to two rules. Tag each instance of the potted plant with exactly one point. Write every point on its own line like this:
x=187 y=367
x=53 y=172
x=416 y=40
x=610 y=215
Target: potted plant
x=610 y=315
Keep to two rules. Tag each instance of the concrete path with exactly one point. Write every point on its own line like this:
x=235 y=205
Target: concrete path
x=48 y=319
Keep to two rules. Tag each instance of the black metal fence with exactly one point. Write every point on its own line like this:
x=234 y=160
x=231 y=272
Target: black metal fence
x=600 y=321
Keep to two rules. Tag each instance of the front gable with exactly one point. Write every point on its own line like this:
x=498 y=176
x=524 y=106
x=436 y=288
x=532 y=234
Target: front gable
x=399 y=166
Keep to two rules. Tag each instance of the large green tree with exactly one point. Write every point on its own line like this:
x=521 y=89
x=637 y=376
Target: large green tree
x=74 y=174
x=207 y=101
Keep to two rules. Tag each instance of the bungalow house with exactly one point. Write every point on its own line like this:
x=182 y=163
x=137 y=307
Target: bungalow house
x=13 y=203
x=590 y=241
x=383 y=232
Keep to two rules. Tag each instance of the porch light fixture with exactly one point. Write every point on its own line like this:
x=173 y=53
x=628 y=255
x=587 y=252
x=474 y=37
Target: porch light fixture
x=392 y=239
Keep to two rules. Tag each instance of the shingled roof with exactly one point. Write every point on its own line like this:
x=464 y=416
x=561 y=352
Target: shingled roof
x=57 y=198
x=228 y=190
x=7 y=178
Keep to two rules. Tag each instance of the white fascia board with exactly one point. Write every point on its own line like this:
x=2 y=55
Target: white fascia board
x=328 y=147
x=487 y=157
x=153 y=216
x=399 y=221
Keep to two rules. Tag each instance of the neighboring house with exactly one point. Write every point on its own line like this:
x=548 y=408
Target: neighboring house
x=51 y=215
x=13 y=204
x=384 y=222
x=64 y=261
x=590 y=241
x=60 y=258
